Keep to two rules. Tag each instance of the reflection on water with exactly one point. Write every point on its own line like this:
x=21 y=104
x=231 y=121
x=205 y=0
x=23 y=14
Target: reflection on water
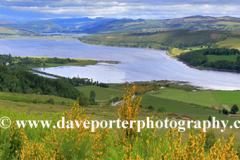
x=101 y=72
x=137 y=64
x=44 y=75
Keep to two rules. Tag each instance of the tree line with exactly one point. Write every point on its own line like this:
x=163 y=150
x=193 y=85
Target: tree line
x=198 y=58
x=29 y=83
x=24 y=63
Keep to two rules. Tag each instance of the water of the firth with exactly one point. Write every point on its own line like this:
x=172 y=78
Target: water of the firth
x=137 y=64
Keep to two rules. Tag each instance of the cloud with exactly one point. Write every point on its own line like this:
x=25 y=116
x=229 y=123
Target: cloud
x=118 y=9
x=148 y=9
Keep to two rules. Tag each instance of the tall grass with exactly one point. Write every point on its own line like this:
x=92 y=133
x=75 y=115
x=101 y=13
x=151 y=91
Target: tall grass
x=81 y=143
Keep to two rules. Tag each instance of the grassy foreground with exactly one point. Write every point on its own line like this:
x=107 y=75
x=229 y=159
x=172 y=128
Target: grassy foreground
x=81 y=143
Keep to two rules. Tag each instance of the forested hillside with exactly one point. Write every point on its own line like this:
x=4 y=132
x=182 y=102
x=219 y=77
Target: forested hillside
x=27 y=82
x=192 y=23
x=159 y=39
x=218 y=58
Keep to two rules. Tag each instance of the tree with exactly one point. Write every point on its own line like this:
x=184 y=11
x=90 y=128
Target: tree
x=234 y=109
x=92 y=97
x=210 y=139
x=150 y=107
x=225 y=111
x=210 y=118
x=83 y=100
x=92 y=94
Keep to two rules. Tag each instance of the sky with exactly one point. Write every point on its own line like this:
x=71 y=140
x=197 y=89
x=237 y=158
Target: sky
x=29 y=10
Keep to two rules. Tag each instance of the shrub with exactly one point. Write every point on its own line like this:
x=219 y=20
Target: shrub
x=50 y=101
x=210 y=140
x=150 y=107
x=161 y=109
x=35 y=101
x=234 y=109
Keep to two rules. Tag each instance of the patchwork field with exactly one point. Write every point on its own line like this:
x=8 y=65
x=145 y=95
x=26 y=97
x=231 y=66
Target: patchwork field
x=204 y=98
x=228 y=97
x=176 y=106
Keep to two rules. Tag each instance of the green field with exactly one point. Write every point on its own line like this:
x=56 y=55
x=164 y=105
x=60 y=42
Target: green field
x=157 y=40
x=34 y=98
x=228 y=97
x=173 y=106
x=102 y=94
x=222 y=57
x=230 y=43
x=177 y=51
x=4 y=30
x=204 y=98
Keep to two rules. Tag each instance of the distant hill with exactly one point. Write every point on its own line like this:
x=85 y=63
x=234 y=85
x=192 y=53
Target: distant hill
x=192 y=23
x=158 y=40
x=4 y=22
x=110 y=25
x=38 y=26
x=124 y=25
x=13 y=31
x=204 y=23
x=79 y=23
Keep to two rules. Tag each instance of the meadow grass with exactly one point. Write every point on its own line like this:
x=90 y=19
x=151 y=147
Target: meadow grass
x=228 y=97
x=8 y=31
x=204 y=98
x=174 y=106
x=212 y=58
x=34 y=98
x=177 y=51
x=102 y=94
x=103 y=144
x=230 y=43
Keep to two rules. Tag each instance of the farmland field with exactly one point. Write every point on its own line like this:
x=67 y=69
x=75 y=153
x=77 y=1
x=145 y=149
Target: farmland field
x=204 y=98
x=175 y=106
x=34 y=98
x=230 y=43
x=101 y=93
x=177 y=51
x=222 y=57
x=228 y=97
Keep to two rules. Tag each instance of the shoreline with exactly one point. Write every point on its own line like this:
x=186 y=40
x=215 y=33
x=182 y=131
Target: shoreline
x=173 y=57
x=167 y=53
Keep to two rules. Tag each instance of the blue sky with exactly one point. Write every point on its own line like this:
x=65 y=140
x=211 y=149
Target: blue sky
x=28 y=10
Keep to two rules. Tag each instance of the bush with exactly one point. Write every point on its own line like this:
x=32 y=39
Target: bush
x=83 y=100
x=35 y=101
x=167 y=85
x=161 y=109
x=210 y=140
x=225 y=111
x=234 y=109
x=51 y=101
x=150 y=107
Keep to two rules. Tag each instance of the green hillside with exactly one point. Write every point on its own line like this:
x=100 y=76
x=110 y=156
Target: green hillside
x=13 y=31
x=192 y=23
x=102 y=94
x=37 y=26
x=204 y=98
x=159 y=39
